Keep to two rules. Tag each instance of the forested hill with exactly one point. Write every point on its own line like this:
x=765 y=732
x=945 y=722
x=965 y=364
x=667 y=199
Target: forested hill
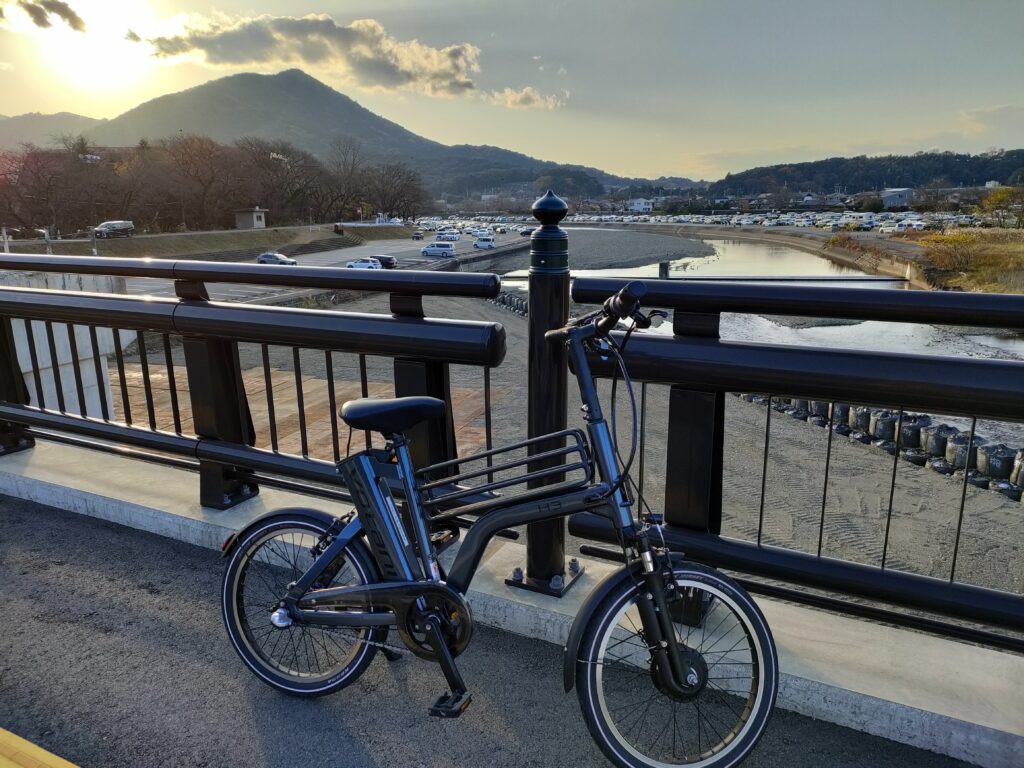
x=861 y=174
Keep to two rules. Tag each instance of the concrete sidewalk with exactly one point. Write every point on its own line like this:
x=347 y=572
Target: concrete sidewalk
x=113 y=654
x=881 y=680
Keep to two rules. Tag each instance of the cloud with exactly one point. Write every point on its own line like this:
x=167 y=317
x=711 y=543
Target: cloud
x=6 y=66
x=524 y=98
x=363 y=49
x=41 y=10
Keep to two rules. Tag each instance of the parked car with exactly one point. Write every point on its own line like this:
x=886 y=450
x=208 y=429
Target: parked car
x=438 y=249
x=417 y=235
x=365 y=262
x=115 y=229
x=272 y=257
x=449 y=236
x=388 y=262
x=525 y=232
x=484 y=242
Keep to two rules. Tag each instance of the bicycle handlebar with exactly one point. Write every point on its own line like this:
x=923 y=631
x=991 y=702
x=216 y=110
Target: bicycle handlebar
x=618 y=307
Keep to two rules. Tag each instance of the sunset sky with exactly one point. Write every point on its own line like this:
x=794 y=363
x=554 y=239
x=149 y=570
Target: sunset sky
x=690 y=87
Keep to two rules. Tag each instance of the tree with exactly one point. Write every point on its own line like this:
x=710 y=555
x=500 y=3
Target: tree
x=1006 y=204
x=873 y=205
x=395 y=189
x=347 y=174
x=200 y=168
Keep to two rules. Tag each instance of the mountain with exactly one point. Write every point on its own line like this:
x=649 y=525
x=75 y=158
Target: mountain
x=42 y=130
x=862 y=174
x=295 y=107
x=300 y=109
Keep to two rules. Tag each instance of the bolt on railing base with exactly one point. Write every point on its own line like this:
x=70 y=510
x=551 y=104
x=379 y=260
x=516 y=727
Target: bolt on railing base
x=556 y=586
x=12 y=443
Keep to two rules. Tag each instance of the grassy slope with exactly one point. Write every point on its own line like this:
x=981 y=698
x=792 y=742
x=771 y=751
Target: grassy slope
x=990 y=260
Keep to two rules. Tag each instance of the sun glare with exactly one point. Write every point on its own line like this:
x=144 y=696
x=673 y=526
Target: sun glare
x=100 y=60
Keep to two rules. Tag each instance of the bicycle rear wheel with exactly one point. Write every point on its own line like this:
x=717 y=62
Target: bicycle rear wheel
x=303 y=659
x=636 y=723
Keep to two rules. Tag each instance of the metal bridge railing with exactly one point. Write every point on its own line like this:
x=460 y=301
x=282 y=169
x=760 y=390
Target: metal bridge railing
x=699 y=369
x=229 y=385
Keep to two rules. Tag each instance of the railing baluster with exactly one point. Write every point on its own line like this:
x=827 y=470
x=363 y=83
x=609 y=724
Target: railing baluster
x=172 y=385
x=892 y=489
x=147 y=387
x=332 y=405
x=268 y=385
x=828 y=462
x=30 y=337
x=76 y=369
x=488 y=425
x=299 y=402
x=55 y=367
x=364 y=388
x=126 y=403
x=643 y=435
x=963 y=501
x=764 y=468
x=101 y=373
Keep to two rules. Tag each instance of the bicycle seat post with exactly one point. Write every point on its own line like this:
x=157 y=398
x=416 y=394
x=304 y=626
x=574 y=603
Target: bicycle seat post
x=417 y=518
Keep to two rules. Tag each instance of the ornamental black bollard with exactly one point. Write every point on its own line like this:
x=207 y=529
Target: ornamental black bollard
x=548 y=308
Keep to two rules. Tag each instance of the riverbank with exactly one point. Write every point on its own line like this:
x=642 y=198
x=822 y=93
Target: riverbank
x=868 y=252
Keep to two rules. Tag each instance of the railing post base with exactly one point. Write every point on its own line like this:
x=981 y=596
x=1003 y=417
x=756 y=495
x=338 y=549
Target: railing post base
x=220 y=411
x=556 y=586
x=13 y=437
x=222 y=487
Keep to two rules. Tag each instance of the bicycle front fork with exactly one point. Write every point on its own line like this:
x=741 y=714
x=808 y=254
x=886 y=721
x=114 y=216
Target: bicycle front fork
x=678 y=670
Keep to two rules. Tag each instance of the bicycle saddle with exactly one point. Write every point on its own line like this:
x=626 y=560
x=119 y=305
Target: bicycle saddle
x=392 y=415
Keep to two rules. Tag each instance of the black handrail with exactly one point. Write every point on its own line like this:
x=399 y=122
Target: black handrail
x=406 y=282
x=995 y=310
x=468 y=342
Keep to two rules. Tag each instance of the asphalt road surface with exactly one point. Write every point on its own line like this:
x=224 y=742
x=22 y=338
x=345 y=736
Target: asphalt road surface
x=112 y=653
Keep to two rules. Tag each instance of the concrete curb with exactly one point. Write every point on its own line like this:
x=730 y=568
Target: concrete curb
x=880 y=680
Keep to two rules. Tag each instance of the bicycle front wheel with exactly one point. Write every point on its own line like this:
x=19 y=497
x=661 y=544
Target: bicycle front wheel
x=636 y=723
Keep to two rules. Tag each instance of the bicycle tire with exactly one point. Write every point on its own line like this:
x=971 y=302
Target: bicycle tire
x=595 y=664
x=314 y=644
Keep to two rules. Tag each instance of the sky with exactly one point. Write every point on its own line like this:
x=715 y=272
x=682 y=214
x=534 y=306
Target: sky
x=695 y=88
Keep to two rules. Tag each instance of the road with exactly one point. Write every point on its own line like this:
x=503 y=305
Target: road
x=113 y=654
x=406 y=251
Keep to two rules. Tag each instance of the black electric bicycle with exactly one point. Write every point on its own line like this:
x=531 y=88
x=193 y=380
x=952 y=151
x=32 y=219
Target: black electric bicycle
x=673 y=663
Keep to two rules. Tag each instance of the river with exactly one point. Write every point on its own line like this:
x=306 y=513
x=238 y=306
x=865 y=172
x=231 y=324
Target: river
x=738 y=259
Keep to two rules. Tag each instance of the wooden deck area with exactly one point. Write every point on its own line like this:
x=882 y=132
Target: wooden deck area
x=467 y=404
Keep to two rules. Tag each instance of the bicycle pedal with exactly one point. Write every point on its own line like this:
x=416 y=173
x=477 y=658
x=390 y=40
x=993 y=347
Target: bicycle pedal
x=451 y=704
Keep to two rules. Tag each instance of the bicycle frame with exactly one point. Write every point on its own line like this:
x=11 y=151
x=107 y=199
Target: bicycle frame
x=380 y=521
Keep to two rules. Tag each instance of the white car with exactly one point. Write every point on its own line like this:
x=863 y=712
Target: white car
x=366 y=262
x=449 y=236
x=438 y=249
x=484 y=242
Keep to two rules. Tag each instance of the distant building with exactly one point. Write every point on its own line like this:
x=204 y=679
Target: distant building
x=992 y=185
x=639 y=205
x=251 y=218
x=897 y=197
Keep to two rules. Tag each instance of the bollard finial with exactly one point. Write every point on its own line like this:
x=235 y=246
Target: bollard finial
x=549 y=209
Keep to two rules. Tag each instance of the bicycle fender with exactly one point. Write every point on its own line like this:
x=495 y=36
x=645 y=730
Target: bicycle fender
x=232 y=541
x=586 y=613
